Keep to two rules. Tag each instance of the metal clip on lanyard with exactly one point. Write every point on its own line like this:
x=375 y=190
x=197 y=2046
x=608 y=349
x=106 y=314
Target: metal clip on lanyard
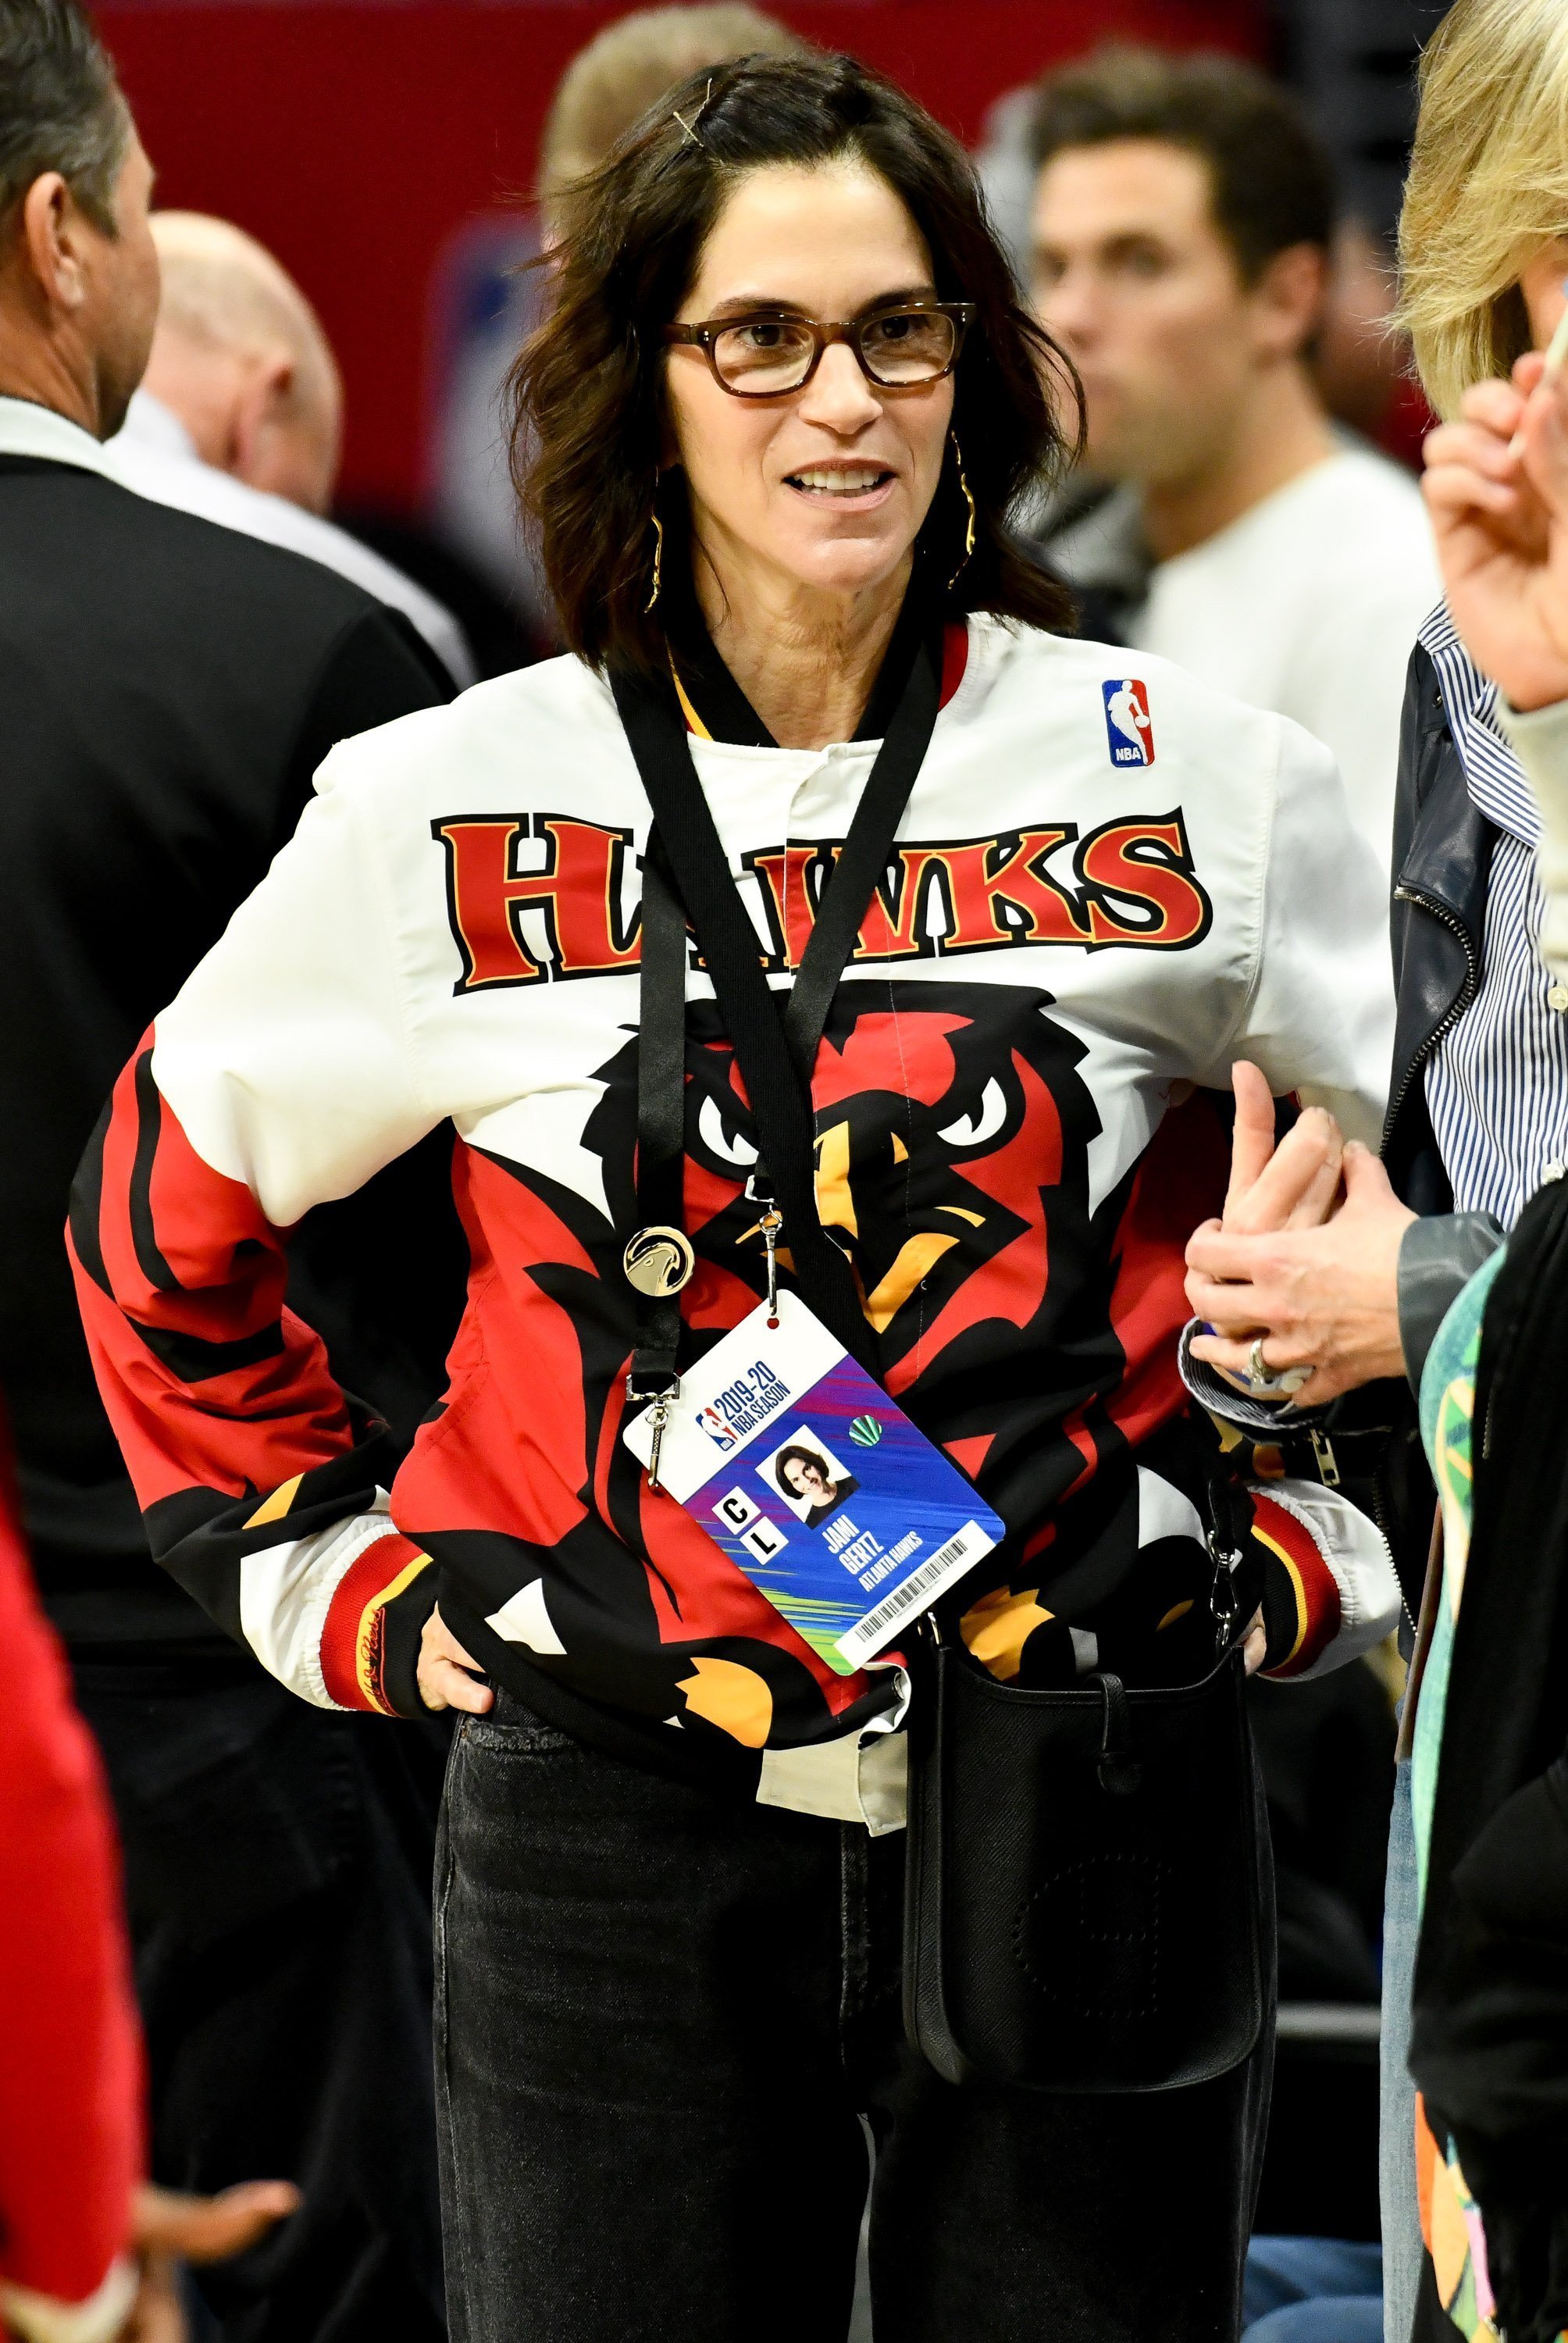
x=687 y=878
x=1225 y=1553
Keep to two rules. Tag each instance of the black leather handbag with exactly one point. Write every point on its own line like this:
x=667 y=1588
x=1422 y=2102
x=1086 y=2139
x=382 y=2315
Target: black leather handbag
x=1084 y=1883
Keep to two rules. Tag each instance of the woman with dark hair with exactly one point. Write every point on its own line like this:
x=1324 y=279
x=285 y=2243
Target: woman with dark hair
x=804 y=1477
x=1018 y=903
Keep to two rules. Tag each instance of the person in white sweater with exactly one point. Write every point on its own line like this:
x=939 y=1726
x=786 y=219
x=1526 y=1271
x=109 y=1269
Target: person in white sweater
x=1182 y=217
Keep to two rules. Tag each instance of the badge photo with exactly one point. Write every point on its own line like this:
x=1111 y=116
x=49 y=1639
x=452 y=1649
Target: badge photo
x=1128 y=729
x=806 y=1474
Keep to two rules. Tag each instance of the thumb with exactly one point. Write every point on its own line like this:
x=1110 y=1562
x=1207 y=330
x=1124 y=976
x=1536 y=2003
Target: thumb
x=212 y=2229
x=1367 y=1182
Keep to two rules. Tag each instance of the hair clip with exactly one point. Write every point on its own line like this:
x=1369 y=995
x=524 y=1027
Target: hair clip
x=686 y=127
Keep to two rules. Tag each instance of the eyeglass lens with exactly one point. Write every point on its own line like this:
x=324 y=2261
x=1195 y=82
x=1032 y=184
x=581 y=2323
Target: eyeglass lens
x=774 y=353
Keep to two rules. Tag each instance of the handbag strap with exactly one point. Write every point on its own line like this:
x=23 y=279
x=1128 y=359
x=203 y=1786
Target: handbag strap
x=689 y=870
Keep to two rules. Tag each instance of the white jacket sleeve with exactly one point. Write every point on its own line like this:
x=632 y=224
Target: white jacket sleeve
x=278 y=1078
x=1318 y=1018
x=285 y=1055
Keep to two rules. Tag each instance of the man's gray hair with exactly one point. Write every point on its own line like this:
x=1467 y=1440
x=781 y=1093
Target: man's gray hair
x=60 y=107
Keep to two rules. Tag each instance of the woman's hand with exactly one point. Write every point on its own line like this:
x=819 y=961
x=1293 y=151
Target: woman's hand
x=1255 y=1648
x=1496 y=488
x=169 y=2229
x=1293 y=1186
x=1325 y=1298
x=449 y=1676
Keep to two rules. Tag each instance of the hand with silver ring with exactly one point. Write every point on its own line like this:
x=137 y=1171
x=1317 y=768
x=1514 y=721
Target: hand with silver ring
x=1305 y=1260
x=1262 y=1380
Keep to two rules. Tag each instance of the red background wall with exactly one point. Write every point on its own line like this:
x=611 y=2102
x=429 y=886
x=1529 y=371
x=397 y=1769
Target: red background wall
x=355 y=140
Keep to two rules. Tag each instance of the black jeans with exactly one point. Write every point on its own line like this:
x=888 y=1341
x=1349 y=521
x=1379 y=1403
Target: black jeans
x=659 y=2023
x=277 y=1867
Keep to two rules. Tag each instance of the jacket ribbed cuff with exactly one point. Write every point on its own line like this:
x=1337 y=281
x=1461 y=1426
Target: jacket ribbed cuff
x=1437 y=1259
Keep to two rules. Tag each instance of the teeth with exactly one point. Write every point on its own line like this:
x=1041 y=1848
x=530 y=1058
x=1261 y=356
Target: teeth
x=846 y=483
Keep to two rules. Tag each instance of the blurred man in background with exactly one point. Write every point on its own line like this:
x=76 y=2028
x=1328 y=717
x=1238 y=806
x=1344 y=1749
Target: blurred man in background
x=169 y=691
x=1182 y=220
x=239 y=415
x=632 y=62
x=493 y=293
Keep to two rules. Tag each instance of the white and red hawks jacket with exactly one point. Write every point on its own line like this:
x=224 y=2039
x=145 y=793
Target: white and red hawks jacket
x=1105 y=888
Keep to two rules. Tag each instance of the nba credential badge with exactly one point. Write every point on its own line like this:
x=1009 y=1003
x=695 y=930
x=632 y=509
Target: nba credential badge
x=1127 y=726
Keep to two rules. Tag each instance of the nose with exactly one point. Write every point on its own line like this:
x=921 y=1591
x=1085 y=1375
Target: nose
x=1068 y=308
x=838 y=396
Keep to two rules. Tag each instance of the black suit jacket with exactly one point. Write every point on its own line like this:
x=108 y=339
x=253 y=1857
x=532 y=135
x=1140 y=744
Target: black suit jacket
x=169 y=688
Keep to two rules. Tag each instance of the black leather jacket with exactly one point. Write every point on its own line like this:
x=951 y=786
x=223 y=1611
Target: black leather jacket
x=1442 y=846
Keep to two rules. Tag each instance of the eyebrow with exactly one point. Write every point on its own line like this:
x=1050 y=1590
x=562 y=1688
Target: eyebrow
x=1114 y=246
x=751 y=305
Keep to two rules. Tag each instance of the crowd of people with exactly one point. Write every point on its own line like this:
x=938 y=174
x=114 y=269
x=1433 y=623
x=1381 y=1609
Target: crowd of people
x=919 y=954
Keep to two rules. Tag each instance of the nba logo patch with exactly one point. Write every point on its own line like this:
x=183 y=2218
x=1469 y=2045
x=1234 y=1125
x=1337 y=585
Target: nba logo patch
x=1127 y=726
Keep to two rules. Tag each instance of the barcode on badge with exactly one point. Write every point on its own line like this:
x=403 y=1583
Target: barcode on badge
x=919 y=1589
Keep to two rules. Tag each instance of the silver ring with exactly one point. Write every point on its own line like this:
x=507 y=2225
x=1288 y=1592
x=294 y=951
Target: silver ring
x=1256 y=1368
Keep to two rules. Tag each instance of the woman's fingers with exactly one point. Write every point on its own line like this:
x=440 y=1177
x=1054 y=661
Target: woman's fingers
x=1463 y=444
x=1298 y=1186
x=1495 y=405
x=212 y=2229
x=1231 y=1311
x=449 y=1676
x=1543 y=439
x=1452 y=490
x=1321 y=1195
x=1234 y=1256
x=1252 y=1141
x=1228 y=1354
x=443 y=1685
x=156 y=2315
x=1255 y=1649
x=1293 y=1185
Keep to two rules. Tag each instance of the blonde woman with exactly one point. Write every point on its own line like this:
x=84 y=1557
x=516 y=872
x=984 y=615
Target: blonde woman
x=1479 y=1114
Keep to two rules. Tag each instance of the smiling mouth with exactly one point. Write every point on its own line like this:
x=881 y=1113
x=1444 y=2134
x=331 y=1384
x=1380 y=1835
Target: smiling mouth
x=841 y=482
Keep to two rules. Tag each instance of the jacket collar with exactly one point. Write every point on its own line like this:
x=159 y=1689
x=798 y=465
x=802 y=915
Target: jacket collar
x=1447 y=853
x=1493 y=772
x=28 y=429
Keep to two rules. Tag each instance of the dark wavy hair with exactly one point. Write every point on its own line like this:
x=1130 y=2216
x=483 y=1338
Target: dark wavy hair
x=586 y=391
x=796 y=1455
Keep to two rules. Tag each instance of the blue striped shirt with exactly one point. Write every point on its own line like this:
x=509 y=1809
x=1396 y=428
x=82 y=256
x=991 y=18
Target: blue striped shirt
x=1497 y=1081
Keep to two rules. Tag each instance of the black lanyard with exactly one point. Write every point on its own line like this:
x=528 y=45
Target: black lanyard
x=686 y=881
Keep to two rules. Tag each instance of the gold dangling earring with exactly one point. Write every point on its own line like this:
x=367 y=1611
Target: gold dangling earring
x=657 y=564
x=968 y=499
